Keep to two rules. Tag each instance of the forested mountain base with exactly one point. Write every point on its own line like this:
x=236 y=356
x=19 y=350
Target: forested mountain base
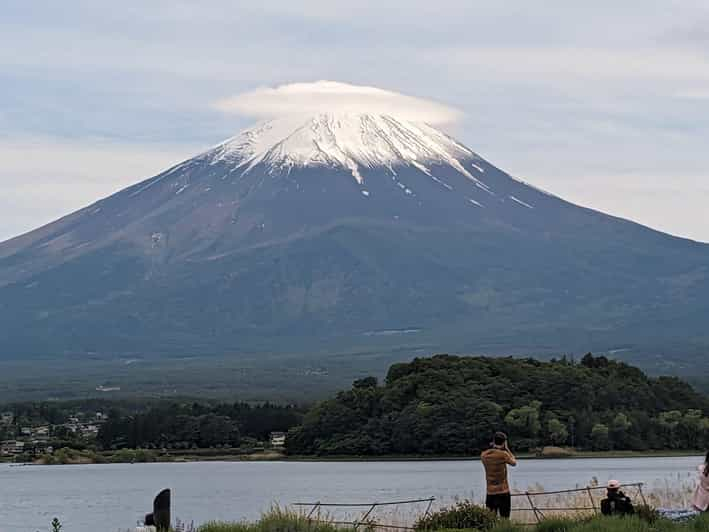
x=450 y=405
x=444 y=405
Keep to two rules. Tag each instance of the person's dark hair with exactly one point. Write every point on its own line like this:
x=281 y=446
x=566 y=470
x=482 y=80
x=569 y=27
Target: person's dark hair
x=500 y=438
x=706 y=465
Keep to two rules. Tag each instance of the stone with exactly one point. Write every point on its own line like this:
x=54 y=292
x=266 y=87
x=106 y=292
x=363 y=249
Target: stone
x=160 y=518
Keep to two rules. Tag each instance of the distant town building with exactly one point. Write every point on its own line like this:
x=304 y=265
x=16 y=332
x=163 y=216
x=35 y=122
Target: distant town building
x=6 y=418
x=7 y=448
x=278 y=439
x=89 y=430
x=11 y=447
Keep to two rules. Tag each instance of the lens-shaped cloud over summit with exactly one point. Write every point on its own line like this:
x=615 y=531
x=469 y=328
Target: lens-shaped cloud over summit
x=336 y=97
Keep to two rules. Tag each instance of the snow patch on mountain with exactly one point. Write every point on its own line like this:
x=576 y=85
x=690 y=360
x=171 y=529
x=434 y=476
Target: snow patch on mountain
x=520 y=202
x=351 y=141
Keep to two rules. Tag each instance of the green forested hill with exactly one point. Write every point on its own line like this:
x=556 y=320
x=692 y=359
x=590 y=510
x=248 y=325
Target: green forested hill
x=452 y=405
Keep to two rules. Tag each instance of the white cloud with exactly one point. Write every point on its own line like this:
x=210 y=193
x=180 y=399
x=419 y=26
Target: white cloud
x=43 y=178
x=552 y=65
x=693 y=94
x=332 y=96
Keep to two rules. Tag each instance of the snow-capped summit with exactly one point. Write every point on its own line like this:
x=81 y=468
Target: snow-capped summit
x=347 y=140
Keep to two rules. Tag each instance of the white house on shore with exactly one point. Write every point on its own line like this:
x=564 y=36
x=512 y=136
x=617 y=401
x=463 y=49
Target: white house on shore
x=278 y=439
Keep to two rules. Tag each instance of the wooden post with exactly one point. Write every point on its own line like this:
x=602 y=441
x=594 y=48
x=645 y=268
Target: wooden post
x=537 y=513
x=642 y=495
x=312 y=510
x=593 y=502
x=428 y=508
x=364 y=518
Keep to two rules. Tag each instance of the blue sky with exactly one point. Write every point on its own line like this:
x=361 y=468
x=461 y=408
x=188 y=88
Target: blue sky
x=604 y=103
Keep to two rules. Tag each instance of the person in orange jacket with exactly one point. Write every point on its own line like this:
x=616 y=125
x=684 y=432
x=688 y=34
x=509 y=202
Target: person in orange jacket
x=495 y=460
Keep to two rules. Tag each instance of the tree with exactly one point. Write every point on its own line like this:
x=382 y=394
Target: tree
x=558 y=433
x=525 y=421
x=704 y=431
x=217 y=430
x=600 y=437
x=447 y=404
x=366 y=382
x=592 y=362
x=690 y=429
x=669 y=422
x=620 y=426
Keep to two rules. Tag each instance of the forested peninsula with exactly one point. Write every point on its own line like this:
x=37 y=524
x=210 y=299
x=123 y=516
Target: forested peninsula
x=451 y=405
x=430 y=407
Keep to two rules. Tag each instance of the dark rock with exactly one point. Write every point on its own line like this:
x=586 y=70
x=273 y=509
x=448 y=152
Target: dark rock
x=160 y=518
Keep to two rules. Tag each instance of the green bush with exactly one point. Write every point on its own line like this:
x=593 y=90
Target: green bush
x=276 y=520
x=215 y=526
x=133 y=455
x=67 y=455
x=701 y=523
x=463 y=514
x=647 y=513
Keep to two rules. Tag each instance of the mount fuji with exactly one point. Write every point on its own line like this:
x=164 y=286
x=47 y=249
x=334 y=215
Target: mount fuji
x=346 y=232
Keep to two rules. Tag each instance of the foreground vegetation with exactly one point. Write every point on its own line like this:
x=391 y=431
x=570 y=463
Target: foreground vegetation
x=474 y=519
x=451 y=405
x=601 y=524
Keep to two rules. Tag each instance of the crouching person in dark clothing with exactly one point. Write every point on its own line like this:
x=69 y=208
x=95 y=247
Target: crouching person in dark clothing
x=616 y=502
x=496 y=459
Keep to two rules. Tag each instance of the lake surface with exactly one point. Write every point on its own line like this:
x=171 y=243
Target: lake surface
x=109 y=498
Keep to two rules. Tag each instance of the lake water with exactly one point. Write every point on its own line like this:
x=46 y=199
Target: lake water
x=109 y=498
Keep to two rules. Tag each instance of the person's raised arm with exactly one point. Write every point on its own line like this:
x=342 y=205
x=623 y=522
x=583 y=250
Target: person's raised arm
x=511 y=460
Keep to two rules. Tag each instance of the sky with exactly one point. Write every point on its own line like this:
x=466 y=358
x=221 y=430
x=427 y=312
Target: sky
x=604 y=103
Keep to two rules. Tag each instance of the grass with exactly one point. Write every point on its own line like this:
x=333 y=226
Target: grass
x=278 y=520
x=603 y=524
x=674 y=493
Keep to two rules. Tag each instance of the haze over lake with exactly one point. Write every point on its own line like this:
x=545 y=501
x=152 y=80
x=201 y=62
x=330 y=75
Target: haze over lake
x=115 y=496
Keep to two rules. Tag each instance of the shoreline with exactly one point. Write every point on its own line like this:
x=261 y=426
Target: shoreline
x=523 y=456
x=108 y=458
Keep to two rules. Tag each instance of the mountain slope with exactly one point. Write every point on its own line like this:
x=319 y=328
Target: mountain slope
x=345 y=232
